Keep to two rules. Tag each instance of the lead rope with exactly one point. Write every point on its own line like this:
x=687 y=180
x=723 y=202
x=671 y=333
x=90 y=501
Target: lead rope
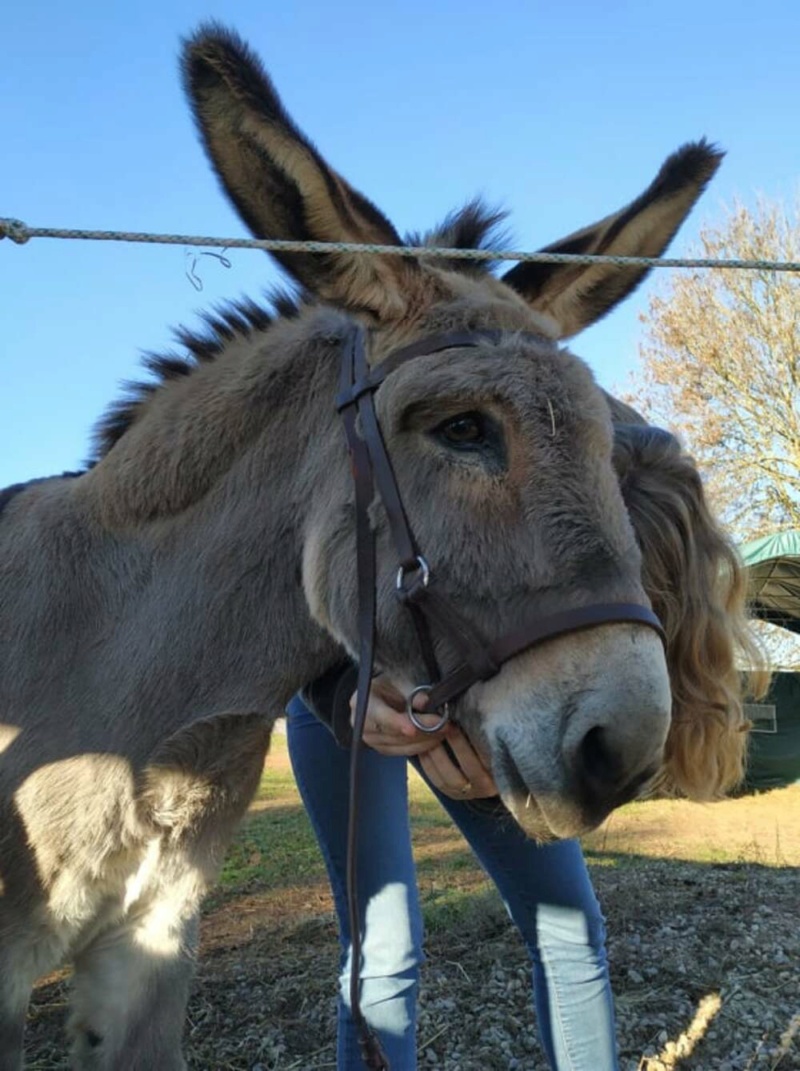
x=371 y=1052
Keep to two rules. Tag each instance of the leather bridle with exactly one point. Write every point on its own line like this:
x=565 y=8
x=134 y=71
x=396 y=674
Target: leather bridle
x=480 y=659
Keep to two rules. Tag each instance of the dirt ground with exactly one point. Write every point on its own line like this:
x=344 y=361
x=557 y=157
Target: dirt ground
x=704 y=954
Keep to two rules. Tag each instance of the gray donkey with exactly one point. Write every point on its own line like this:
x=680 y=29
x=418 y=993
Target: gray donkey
x=160 y=608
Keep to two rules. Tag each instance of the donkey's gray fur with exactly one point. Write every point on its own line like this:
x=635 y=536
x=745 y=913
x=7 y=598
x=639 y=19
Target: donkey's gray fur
x=160 y=609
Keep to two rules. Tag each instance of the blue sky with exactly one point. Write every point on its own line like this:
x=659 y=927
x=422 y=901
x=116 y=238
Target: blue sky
x=561 y=112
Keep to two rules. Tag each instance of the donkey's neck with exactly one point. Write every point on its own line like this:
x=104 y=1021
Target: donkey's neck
x=212 y=489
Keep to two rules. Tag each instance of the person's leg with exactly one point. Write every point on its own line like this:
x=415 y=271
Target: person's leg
x=549 y=896
x=389 y=906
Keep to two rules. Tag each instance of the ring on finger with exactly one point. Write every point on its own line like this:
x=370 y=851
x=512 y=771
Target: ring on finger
x=466 y=788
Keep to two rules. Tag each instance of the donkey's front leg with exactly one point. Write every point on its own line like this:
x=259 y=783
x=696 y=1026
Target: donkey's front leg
x=27 y=951
x=131 y=989
x=14 y=996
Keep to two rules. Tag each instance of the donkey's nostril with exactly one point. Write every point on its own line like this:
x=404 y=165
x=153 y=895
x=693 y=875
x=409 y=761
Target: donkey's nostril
x=602 y=776
x=598 y=767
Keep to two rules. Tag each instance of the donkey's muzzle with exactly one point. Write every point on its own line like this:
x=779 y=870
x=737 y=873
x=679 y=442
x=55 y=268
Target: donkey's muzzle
x=580 y=728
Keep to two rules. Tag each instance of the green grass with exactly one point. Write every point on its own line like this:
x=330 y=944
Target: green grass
x=276 y=849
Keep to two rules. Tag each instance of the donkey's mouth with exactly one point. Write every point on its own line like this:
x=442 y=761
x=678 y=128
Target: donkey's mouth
x=545 y=812
x=507 y=773
x=518 y=797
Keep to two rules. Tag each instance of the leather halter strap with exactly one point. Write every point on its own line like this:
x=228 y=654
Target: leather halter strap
x=369 y=379
x=532 y=634
x=416 y=588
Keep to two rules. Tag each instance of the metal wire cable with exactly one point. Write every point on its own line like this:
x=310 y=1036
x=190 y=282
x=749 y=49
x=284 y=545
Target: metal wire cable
x=20 y=233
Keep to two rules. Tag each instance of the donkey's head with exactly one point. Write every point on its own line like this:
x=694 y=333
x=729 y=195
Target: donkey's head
x=502 y=451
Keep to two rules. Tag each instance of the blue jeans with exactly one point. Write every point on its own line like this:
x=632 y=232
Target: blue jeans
x=546 y=889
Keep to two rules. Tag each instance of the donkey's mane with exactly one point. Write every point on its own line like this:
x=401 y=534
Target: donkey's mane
x=475 y=226
x=238 y=318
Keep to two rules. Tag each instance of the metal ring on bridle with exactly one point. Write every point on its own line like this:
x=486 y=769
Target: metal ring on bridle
x=419 y=564
x=414 y=715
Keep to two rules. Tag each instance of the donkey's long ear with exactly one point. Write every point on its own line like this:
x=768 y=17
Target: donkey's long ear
x=278 y=182
x=578 y=295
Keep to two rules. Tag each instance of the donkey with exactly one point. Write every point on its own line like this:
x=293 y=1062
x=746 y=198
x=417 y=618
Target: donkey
x=160 y=608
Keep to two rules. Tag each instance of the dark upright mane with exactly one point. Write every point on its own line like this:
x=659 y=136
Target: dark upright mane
x=236 y=319
x=475 y=226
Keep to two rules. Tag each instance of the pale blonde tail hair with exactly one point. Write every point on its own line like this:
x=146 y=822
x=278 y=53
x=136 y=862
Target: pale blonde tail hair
x=697 y=586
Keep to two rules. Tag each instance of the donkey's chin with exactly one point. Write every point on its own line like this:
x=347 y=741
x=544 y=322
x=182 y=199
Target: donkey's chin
x=530 y=817
x=547 y=818
x=547 y=812
x=543 y=814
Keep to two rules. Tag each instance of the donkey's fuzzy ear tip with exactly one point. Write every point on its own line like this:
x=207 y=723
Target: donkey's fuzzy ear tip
x=696 y=161
x=215 y=57
x=212 y=46
x=713 y=152
x=210 y=34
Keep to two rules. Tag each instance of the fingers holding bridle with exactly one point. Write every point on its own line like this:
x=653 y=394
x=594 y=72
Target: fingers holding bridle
x=456 y=770
x=470 y=763
x=387 y=728
x=384 y=713
x=444 y=774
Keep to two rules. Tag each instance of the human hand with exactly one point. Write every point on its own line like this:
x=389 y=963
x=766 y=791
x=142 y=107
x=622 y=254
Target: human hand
x=447 y=757
x=388 y=728
x=455 y=768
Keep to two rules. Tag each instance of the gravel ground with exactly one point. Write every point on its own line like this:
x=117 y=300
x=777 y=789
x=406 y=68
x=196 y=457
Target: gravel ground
x=705 y=963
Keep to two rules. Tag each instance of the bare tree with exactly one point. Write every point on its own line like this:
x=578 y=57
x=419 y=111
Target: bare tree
x=720 y=365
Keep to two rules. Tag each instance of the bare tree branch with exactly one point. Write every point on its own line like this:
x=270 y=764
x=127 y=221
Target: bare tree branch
x=720 y=365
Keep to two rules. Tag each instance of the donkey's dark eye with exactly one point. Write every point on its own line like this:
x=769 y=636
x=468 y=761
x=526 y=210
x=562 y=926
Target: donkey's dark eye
x=465 y=430
x=475 y=437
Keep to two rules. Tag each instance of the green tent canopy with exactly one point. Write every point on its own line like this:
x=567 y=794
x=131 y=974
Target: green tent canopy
x=773 y=570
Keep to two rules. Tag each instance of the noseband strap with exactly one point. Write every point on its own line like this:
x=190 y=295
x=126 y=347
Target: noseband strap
x=467 y=673
x=480 y=659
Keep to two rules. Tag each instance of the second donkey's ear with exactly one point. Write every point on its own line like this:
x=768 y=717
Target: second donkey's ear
x=576 y=295
x=279 y=183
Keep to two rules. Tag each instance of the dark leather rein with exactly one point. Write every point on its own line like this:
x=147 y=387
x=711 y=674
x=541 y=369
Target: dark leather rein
x=480 y=659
